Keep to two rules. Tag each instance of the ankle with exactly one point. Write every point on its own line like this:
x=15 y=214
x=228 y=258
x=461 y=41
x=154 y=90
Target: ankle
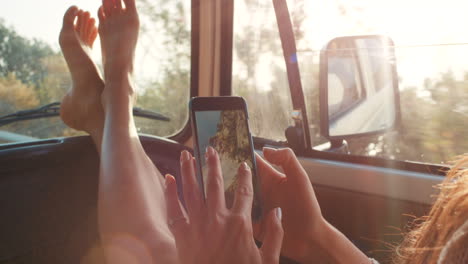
x=120 y=105
x=118 y=94
x=118 y=71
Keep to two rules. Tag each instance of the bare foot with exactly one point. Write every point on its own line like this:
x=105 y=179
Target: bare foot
x=118 y=30
x=81 y=107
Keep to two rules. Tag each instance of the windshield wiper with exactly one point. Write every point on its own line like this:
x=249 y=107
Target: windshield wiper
x=48 y=110
x=137 y=111
x=53 y=109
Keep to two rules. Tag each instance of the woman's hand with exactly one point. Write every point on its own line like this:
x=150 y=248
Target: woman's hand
x=208 y=232
x=308 y=237
x=291 y=191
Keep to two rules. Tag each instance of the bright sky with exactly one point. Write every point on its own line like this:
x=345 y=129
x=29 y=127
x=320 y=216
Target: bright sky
x=407 y=22
x=411 y=24
x=41 y=18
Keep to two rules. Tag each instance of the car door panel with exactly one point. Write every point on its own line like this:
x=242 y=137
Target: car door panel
x=371 y=205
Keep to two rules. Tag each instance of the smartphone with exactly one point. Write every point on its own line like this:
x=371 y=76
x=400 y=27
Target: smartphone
x=223 y=123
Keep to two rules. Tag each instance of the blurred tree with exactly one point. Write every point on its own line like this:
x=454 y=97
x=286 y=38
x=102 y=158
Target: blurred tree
x=433 y=127
x=22 y=56
x=14 y=94
x=259 y=73
x=31 y=74
x=165 y=36
x=56 y=82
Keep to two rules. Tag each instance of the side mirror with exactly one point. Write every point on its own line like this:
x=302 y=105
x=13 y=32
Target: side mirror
x=358 y=87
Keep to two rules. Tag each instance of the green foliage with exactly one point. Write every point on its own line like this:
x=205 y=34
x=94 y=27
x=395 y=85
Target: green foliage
x=168 y=91
x=433 y=127
x=35 y=65
x=31 y=74
x=56 y=82
x=170 y=98
x=22 y=56
x=268 y=97
x=14 y=94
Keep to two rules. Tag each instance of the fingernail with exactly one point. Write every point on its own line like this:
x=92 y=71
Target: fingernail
x=279 y=213
x=209 y=151
x=269 y=149
x=245 y=167
x=166 y=180
x=185 y=156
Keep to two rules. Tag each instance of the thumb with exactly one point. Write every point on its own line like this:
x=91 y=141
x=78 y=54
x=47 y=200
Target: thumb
x=273 y=239
x=270 y=181
x=264 y=168
x=289 y=163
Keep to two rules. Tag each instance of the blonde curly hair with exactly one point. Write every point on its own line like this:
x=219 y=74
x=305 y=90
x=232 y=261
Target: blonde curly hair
x=442 y=236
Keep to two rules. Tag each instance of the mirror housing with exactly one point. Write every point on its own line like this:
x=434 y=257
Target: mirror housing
x=358 y=87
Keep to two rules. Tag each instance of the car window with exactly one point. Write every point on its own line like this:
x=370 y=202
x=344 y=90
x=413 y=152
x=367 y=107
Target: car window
x=33 y=71
x=258 y=71
x=431 y=54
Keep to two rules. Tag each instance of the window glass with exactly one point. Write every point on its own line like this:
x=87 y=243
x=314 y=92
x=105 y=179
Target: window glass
x=259 y=71
x=431 y=55
x=33 y=71
x=36 y=129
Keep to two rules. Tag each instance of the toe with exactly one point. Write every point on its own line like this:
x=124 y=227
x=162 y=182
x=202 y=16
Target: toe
x=84 y=26
x=130 y=5
x=87 y=30
x=101 y=15
x=92 y=37
x=90 y=29
x=69 y=17
x=118 y=5
x=108 y=7
x=79 y=22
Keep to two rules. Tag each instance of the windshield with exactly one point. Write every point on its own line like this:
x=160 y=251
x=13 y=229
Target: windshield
x=33 y=71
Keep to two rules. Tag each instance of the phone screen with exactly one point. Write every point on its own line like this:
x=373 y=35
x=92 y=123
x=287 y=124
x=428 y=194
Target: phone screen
x=228 y=133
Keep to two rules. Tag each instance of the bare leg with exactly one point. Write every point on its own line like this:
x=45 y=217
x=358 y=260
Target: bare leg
x=132 y=211
x=81 y=107
x=131 y=207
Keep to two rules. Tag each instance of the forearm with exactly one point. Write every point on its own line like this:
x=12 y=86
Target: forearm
x=335 y=247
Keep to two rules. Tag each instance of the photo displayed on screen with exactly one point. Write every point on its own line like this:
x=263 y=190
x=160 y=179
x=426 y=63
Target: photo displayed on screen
x=227 y=132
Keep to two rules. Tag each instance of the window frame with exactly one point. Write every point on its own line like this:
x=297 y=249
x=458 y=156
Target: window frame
x=185 y=133
x=225 y=73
